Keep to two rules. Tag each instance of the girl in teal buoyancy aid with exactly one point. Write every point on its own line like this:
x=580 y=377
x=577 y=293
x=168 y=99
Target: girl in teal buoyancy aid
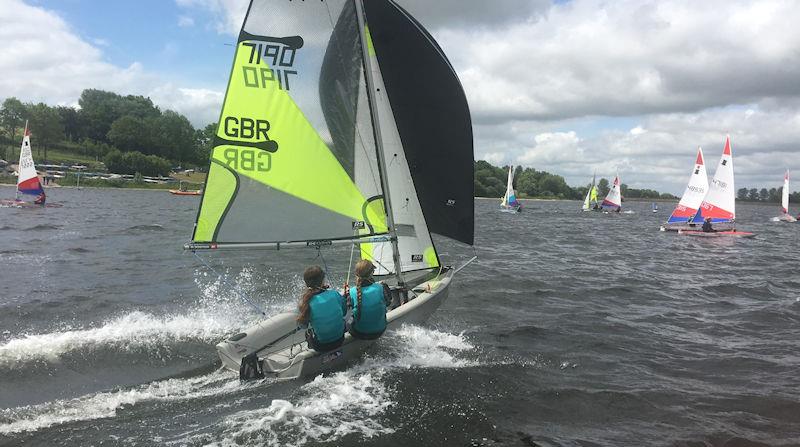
x=368 y=304
x=323 y=311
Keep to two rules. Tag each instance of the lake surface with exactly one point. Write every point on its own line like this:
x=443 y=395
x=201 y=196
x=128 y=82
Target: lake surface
x=571 y=329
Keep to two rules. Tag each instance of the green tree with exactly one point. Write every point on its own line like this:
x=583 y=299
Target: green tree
x=12 y=116
x=204 y=143
x=45 y=126
x=763 y=195
x=752 y=195
x=71 y=121
x=603 y=187
x=176 y=137
x=775 y=194
x=742 y=194
x=128 y=133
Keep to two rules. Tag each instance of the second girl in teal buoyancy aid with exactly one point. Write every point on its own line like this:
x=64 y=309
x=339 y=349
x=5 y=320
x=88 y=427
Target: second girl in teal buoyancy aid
x=368 y=302
x=322 y=311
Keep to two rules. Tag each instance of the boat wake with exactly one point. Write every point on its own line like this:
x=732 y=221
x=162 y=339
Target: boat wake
x=32 y=418
x=217 y=313
x=351 y=402
x=128 y=332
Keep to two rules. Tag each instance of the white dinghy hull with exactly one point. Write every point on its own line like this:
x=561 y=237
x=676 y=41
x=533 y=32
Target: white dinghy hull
x=284 y=351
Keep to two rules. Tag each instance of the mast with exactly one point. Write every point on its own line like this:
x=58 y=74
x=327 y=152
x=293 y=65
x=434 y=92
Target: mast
x=378 y=140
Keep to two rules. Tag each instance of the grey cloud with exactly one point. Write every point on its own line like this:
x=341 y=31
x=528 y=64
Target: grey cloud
x=473 y=13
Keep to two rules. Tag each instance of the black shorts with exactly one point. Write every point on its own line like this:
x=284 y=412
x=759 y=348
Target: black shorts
x=363 y=336
x=314 y=344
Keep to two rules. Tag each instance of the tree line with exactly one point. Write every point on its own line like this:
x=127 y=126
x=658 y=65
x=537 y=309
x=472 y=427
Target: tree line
x=129 y=133
x=765 y=195
x=490 y=181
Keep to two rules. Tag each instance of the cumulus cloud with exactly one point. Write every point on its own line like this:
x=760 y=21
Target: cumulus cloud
x=56 y=66
x=185 y=22
x=227 y=15
x=568 y=87
x=624 y=58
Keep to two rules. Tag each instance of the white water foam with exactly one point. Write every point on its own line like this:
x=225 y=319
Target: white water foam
x=348 y=402
x=217 y=313
x=106 y=404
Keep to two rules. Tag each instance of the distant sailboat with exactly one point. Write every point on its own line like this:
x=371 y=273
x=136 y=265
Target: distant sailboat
x=719 y=205
x=510 y=203
x=685 y=213
x=590 y=202
x=785 y=216
x=613 y=200
x=28 y=183
x=655 y=207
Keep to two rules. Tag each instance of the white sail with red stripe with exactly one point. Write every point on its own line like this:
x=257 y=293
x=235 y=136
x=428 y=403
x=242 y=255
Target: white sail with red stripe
x=28 y=181
x=720 y=202
x=694 y=194
x=613 y=200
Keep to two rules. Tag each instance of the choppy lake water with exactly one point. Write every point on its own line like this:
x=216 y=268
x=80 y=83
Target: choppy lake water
x=571 y=329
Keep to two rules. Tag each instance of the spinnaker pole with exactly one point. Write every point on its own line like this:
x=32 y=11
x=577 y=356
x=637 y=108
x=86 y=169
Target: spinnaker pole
x=376 y=129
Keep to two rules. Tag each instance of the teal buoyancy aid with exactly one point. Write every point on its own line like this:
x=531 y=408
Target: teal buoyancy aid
x=370 y=317
x=327 y=316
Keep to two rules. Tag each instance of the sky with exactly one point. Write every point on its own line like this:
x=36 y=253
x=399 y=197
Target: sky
x=570 y=87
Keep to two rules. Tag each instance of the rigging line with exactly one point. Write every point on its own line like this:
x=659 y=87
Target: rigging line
x=350 y=264
x=233 y=287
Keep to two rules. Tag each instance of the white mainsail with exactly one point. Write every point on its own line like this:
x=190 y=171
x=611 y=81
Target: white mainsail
x=694 y=193
x=785 y=194
x=613 y=199
x=591 y=196
x=414 y=244
x=720 y=202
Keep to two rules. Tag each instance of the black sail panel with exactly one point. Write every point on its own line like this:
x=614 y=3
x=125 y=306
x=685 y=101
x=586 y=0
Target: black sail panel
x=432 y=116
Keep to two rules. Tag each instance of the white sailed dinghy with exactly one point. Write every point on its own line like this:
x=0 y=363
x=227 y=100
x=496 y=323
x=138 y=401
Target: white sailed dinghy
x=685 y=213
x=719 y=204
x=28 y=184
x=613 y=200
x=785 y=216
x=325 y=138
x=510 y=204
x=590 y=201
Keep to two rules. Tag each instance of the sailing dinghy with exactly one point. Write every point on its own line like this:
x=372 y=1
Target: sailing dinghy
x=719 y=204
x=28 y=184
x=510 y=203
x=613 y=200
x=683 y=217
x=326 y=137
x=590 y=202
x=785 y=216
